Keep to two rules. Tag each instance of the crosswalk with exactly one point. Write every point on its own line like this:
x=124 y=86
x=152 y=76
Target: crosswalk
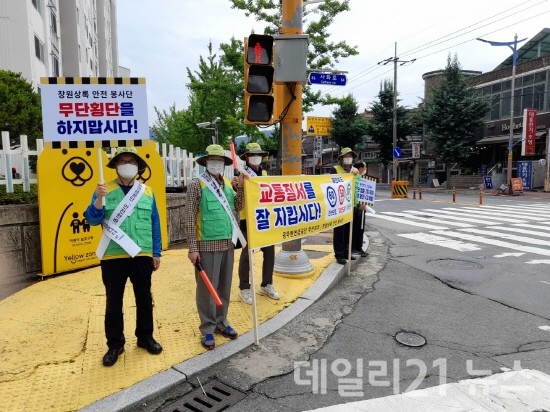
x=519 y=229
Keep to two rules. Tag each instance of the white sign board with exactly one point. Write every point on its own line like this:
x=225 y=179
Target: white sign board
x=366 y=191
x=94 y=112
x=415 y=150
x=318 y=147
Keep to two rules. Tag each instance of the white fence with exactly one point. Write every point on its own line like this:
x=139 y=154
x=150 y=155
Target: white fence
x=179 y=165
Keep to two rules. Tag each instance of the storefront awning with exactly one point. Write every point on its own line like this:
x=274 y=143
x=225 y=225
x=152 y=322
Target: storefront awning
x=503 y=139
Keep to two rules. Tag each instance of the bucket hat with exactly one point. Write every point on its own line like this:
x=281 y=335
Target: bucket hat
x=214 y=150
x=253 y=149
x=142 y=164
x=345 y=151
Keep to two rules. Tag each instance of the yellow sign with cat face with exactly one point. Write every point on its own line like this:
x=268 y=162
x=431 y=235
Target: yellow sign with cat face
x=67 y=179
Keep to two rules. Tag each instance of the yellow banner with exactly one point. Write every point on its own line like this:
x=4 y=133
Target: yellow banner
x=67 y=179
x=284 y=208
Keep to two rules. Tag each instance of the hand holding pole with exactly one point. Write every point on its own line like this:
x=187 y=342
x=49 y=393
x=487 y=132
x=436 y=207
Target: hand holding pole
x=234 y=158
x=208 y=284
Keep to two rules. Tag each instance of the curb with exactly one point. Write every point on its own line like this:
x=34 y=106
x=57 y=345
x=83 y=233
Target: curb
x=162 y=383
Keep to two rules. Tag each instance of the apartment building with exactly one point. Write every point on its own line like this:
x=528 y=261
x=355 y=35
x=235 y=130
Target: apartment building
x=51 y=38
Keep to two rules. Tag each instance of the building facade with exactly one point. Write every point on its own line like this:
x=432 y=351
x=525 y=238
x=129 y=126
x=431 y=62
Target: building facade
x=53 y=38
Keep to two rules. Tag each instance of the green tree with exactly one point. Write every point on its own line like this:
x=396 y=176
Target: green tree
x=348 y=127
x=451 y=112
x=322 y=53
x=381 y=125
x=20 y=108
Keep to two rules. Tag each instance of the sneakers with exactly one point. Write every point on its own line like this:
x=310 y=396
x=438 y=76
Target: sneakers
x=208 y=342
x=246 y=296
x=228 y=332
x=269 y=290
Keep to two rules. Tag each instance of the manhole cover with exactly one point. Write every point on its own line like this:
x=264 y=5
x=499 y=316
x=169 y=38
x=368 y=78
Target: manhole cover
x=410 y=339
x=456 y=264
x=216 y=397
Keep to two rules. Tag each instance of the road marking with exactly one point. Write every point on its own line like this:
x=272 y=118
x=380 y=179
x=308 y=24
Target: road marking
x=407 y=215
x=488 y=215
x=494 y=242
x=517 y=254
x=508 y=214
x=539 y=226
x=518 y=230
x=507 y=236
x=441 y=241
x=408 y=222
x=538 y=262
x=544 y=327
x=452 y=215
x=546 y=283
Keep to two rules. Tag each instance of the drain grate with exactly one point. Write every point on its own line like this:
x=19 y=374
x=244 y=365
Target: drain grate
x=218 y=397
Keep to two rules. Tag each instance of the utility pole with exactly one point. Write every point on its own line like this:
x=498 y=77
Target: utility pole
x=292 y=259
x=395 y=60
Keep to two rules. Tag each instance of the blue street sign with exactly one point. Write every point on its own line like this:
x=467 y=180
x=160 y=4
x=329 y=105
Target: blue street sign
x=488 y=182
x=328 y=78
x=397 y=152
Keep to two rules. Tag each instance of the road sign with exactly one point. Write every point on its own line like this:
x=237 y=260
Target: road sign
x=318 y=126
x=397 y=152
x=328 y=78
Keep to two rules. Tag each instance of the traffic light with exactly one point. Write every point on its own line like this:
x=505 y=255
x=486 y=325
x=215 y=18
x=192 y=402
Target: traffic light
x=258 y=80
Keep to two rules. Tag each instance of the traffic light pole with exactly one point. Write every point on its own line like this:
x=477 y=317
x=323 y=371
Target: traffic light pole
x=292 y=259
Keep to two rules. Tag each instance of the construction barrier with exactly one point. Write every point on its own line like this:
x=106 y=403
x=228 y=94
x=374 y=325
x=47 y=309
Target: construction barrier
x=399 y=188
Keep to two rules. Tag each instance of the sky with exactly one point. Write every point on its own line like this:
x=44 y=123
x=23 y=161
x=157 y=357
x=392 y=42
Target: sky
x=160 y=39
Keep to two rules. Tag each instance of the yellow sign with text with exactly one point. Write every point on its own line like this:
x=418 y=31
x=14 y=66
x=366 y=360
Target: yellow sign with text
x=284 y=208
x=67 y=180
x=319 y=126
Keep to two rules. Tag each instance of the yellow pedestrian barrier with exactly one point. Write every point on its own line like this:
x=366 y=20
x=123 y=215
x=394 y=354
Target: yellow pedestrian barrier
x=399 y=189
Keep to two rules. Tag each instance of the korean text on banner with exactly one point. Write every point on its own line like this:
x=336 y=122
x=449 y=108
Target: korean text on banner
x=93 y=109
x=366 y=191
x=280 y=209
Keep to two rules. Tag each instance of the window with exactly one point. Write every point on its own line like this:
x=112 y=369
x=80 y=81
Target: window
x=505 y=104
x=495 y=106
x=527 y=98
x=55 y=66
x=53 y=22
x=36 y=4
x=538 y=101
x=39 y=49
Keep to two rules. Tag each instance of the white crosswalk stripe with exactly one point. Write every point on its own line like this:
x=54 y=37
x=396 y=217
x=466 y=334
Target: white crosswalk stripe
x=519 y=229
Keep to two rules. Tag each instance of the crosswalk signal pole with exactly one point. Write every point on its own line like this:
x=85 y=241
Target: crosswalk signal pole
x=292 y=259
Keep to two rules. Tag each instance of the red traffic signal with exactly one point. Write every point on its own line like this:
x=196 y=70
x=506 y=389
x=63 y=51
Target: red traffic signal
x=258 y=80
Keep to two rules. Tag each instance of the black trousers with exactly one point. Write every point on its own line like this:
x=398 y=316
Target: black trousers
x=357 y=235
x=115 y=273
x=244 y=265
x=340 y=241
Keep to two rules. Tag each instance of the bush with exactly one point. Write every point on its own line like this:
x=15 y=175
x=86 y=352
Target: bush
x=18 y=196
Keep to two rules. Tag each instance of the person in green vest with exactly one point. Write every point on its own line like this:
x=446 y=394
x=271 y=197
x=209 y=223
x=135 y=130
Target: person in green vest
x=212 y=231
x=133 y=251
x=340 y=234
x=253 y=157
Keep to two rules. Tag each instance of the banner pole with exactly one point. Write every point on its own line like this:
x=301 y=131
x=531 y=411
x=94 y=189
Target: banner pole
x=100 y=170
x=349 y=244
x=253 y=290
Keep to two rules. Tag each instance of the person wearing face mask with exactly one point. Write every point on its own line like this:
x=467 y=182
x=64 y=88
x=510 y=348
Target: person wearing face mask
x=340 y=237
x=212 y=232
x=253 y=157
x=129 y=248
x=359 y=169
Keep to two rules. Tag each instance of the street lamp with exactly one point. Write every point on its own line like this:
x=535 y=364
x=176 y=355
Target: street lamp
x=512 y=45
x=215 y=123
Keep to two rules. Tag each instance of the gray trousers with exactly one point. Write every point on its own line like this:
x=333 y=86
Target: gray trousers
x=219 y=268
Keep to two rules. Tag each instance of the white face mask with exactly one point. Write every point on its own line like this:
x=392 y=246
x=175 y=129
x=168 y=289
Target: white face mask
x=127 y=171
x=347 y=160
x=215 y=167
x=255 y=160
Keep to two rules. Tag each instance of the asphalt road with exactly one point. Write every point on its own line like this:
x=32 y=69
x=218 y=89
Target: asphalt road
x=480 y=310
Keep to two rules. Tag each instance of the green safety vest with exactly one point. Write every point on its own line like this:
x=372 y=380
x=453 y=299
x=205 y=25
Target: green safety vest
x=138 y=226
x=213 y=223
x=243 y=210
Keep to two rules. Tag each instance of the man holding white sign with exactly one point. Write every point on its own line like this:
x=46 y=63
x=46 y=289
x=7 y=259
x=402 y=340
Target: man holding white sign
x=129 y=248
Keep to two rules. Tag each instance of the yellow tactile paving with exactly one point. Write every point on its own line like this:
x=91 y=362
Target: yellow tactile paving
x=52 y=341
